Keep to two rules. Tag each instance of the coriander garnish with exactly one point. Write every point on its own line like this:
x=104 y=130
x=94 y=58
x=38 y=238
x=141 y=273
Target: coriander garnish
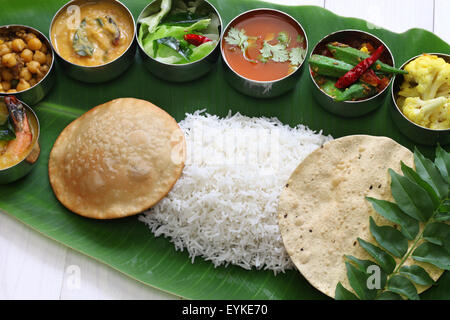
x=277 y=52
x=239 y=38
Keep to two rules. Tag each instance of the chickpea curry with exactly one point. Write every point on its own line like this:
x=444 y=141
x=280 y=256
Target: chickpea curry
x=18 y=133
x=25 y=60
x=92 y=33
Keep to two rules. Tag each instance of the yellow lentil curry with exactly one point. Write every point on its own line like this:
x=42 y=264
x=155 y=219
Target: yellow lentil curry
x=92 y=33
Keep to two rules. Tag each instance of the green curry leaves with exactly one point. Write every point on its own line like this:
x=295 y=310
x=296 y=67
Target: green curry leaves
x=417 y=274
x=420 y=215
x=389 y=238
x=81 y=44
x=7 y=131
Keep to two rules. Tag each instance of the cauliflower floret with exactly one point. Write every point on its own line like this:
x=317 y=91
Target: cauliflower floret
x=428 y=77
x=407 y=89
x=433 y=114
x=444 y=91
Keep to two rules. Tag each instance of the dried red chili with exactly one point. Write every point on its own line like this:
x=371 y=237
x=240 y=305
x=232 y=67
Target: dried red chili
x=353 y=75
x=196 y=39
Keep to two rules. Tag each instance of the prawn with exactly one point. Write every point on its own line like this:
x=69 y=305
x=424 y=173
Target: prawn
x=24 y=136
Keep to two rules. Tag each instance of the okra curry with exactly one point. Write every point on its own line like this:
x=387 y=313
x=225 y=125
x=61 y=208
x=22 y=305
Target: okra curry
x=352 y=70
x=92 y=33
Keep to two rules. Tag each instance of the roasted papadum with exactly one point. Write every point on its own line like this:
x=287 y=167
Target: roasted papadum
x=322 y=209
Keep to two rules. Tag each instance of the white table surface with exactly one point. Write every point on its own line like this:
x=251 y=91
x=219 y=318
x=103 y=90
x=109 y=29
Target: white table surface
x=35 y=267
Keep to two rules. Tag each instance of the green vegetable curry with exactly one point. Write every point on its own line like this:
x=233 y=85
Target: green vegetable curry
x=179 y=32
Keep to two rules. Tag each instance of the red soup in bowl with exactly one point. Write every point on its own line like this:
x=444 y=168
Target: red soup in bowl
x=264 y=45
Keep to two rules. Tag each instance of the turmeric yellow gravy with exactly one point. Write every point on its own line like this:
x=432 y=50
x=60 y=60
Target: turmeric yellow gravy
x=92 y=33
x=8 y=159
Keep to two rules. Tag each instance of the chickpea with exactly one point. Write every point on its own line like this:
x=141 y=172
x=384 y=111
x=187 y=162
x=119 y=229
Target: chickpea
x=7 y=75
x=32 y=82
x=27 y=55
x=49 y=59
x=34 y=44
x=6 y=85
x=18 y=45
x=25 y=74
x=1 y=88
x=4 y=49
x=40 y=57
x=9 y=44
x=44 y=48
x=22 y=85
x=44 y=68
x=33 y=67
x=27 y=37
x=21 y=33
x=9 y=60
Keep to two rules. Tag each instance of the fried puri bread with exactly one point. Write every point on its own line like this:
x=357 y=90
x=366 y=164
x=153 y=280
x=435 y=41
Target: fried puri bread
x=117 y=159
x=322 y=209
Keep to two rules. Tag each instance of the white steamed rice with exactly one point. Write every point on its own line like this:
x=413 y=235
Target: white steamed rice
x=224 y=206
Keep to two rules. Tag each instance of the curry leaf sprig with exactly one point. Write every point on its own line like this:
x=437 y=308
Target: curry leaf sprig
x=422 y=212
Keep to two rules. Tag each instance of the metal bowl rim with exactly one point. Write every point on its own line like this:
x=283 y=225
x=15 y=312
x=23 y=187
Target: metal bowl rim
x=395 y=102
x=265 y=9
x=50 y=47
x=359 y=101
x=100 y=65
x=37 y=138
x=171 y=64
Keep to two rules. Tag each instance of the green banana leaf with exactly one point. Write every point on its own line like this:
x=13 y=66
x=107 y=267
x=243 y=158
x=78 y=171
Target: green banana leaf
x=127 y=244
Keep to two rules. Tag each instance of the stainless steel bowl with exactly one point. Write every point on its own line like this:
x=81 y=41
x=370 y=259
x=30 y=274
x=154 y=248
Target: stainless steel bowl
x=254 y=88
x=178 y=72
x=410 y=129
x=350 y=108
x=37 y=92
x=100 y=73
x=22 y=168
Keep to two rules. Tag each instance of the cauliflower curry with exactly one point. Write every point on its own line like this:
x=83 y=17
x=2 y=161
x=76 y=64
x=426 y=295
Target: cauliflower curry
x=424 y=96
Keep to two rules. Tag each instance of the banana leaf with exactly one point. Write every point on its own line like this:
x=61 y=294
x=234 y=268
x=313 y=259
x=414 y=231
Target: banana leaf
x=127 y=244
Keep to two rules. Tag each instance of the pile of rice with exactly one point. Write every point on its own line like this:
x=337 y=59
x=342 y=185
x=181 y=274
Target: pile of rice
x=224 y=206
